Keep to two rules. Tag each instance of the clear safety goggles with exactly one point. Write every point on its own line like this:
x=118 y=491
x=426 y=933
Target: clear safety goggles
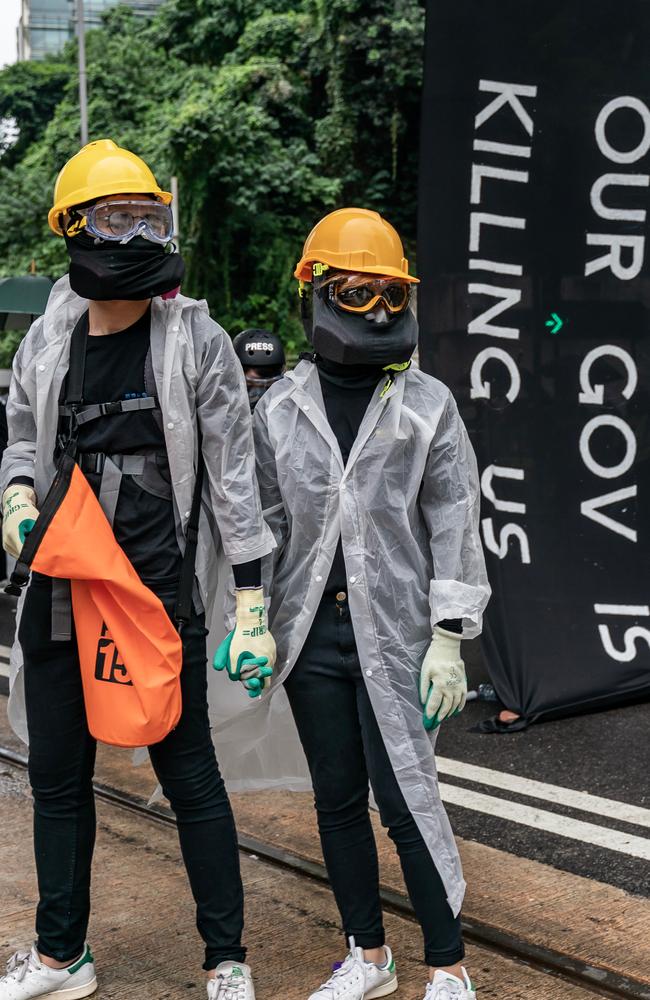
x=361 y=293
x=120 y=221
x=253 y=382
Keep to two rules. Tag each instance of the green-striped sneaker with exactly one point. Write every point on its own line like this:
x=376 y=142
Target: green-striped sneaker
x=27 y=978
x=356 y=979
x=234 y=981
x=448 y=987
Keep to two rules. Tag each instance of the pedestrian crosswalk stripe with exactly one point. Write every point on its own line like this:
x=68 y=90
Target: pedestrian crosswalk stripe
x=623 y=812
x=550 y=822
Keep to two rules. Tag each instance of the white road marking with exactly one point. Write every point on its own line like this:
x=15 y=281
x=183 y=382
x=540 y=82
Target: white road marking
x=4 y=669
x=612 y=809
x=542 y=819
x=629 y=610
x=5 y=653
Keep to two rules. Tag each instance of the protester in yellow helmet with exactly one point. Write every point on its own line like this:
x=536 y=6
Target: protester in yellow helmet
x=129 y=394
x=371 y=487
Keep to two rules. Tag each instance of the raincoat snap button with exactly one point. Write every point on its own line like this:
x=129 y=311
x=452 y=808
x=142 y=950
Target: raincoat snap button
x=318 y=579
x=41 y=368
x=170 y=427
x=175 y=329
x=353 y=579
x=187 y=513
x=368 y=673
x=343 y=487
x=305 y=408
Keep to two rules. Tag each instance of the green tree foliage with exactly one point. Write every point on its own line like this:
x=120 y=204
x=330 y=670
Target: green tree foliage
x=270 y=112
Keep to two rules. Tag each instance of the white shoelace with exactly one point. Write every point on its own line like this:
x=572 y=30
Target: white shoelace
x=230 y=987
x=18 y=966
x=444 y=991
x=348 y=965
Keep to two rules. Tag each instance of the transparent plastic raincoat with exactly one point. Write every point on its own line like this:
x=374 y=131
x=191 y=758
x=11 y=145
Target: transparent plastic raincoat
x=196 y=372
x=407 y=508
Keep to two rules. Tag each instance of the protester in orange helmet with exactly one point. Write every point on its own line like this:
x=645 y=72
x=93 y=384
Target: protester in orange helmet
x=130 y=463
x=370 y=485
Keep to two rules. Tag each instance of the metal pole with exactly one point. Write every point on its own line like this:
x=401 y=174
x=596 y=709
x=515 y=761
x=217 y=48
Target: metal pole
x=83 y=95
x=175 y=211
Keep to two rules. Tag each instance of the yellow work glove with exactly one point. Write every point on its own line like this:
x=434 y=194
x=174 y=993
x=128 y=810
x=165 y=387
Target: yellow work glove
x=443 y=684
x=19 y=515
x=248 y=652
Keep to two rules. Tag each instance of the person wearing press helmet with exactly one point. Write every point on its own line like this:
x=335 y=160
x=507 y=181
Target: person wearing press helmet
x=370 y=484
x=149 y=387
x=262 y=356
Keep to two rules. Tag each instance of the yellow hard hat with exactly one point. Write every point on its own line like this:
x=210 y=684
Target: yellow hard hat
x=354 y=239
x=99 y=169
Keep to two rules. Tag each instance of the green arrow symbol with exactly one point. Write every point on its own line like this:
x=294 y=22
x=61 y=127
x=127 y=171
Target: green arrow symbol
x=555 y=322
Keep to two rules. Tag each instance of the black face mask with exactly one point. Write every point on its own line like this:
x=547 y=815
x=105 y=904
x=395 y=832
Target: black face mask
x=353 y=340
x=139 y=269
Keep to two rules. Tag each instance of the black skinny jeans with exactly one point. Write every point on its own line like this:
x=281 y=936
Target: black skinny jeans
x=345 y=749
x=61 y=766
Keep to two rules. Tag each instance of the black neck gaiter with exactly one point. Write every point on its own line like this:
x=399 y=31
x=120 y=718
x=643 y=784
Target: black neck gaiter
x=349 y=376
x=140 y=269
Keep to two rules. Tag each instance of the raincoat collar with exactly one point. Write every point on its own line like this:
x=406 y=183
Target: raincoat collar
x=303 y=386
x=64 y=307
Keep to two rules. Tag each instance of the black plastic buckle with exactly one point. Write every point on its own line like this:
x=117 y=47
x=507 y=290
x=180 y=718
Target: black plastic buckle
x=92 y=462
x=18 y=579
x=111 y=409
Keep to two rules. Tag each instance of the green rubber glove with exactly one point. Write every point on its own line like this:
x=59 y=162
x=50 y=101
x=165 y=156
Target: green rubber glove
x=443 y=684
x=19 y=515
x=248 y=652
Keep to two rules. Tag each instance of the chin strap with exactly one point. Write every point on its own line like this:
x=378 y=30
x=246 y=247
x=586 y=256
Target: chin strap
x=391 y=372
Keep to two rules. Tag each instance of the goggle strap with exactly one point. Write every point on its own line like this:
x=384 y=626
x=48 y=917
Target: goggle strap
x=75 y=227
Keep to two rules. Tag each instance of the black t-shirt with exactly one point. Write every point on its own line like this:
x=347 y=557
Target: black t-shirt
x=144 y=524
x=347 y=391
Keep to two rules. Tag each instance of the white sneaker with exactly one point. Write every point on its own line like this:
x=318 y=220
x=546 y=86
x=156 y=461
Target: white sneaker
x=448 y=987
x=357 y=979
x=234 y=982
x=27 y=978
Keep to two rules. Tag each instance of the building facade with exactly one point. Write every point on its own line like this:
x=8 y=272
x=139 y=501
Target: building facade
x=46 y=25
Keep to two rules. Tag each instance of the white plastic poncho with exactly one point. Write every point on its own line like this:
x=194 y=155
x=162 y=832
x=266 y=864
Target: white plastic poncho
x=407 y=508
x=197 y=374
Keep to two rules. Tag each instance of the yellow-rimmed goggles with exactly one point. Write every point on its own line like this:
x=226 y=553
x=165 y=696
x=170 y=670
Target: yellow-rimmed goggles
x=361 y=293
x=119 y=221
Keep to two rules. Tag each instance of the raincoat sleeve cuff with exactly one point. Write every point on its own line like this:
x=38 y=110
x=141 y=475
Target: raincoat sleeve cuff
x=16 y=471
x=255 y=548
x=452 y=599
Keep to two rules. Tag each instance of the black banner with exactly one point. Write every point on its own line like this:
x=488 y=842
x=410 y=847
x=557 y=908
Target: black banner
x=534 y=308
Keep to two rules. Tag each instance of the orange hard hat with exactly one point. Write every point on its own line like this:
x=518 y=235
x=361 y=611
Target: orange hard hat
x=354 y=239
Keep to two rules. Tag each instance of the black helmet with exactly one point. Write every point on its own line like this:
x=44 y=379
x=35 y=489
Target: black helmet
x=262 y=357
x=260 y=349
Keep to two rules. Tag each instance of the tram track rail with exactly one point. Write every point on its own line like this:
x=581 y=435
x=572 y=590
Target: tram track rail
x=561 y=965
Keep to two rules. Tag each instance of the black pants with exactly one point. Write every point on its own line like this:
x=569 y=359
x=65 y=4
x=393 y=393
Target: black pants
x=344 y=749
x=61 y=765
